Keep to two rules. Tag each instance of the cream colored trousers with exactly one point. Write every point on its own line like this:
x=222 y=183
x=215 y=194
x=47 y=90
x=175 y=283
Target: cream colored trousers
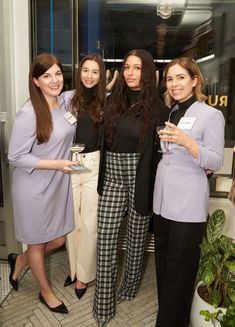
x=82 y=241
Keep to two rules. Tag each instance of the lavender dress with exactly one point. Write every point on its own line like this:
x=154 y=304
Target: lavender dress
x=42 y=199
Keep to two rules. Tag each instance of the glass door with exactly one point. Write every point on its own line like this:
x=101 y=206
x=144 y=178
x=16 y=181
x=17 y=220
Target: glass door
x=54 y=30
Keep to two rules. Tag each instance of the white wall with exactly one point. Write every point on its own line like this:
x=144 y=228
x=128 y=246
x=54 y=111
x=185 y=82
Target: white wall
x=14 y=57
x=14 y=69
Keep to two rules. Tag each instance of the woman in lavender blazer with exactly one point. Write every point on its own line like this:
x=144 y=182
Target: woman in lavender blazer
x=195 y=138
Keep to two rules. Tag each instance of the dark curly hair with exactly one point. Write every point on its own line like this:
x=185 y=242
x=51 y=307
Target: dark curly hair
x=119 y=102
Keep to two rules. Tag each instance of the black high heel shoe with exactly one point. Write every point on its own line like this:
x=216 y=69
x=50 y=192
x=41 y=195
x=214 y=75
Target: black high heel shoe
x=59 y=309
x=80 y=292
x=69 y=281
x=12 y=262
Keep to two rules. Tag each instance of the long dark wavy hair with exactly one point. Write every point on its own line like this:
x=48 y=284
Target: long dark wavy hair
x=119 y=103
x=39 y=66
x=96 y=106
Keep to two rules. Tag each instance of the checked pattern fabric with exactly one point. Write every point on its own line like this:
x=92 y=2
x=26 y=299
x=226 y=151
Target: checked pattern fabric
x=118 y=195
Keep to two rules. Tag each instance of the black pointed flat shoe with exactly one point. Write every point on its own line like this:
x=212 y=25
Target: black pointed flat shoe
x=80 y=292
x=103 y=322
x=59 y=309
x=12 y=262
x=120 y=299
x=69 y=281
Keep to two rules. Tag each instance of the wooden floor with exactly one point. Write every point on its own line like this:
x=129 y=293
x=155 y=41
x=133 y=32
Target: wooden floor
x=23 y=308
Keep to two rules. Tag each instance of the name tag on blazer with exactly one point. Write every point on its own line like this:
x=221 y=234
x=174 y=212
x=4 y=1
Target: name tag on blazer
x=70 y=118
x=186 y=122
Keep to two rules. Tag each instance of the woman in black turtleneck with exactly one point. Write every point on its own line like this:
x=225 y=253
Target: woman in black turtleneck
x=87 y=102
x=127 y=171
x=196 y=143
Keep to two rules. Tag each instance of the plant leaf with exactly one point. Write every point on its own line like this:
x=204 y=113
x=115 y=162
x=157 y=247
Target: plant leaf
x=227 y=245
x=215 y=298
x=206 y=314
x=215 y=225
x=207 y=270
x=231 y=294
x=230 y=265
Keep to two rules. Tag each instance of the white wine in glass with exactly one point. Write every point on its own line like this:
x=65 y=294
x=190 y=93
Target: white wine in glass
x=164 y=144
x=76 y=149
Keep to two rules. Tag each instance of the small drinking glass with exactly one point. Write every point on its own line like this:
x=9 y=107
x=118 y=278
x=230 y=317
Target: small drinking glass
x=164 y=144
x=76 y=149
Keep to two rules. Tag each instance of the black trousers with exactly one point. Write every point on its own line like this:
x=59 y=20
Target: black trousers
x=176 y=256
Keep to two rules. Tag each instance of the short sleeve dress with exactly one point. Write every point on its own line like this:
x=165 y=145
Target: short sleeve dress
x=42 y=199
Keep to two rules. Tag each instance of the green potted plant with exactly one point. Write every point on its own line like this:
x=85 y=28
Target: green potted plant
x=216 y=275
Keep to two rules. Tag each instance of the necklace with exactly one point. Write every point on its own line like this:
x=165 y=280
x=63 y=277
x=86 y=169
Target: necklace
x=134 y=104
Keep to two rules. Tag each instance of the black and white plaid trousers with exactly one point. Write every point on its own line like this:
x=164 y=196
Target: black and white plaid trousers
x=118 y=194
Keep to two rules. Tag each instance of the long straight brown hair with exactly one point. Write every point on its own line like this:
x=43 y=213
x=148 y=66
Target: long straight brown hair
x=41 y=108
x=96 y=107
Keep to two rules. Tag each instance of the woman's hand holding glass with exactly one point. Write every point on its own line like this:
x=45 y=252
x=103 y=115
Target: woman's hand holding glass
x=65 y=165
x=173 y=134
x=170 y=133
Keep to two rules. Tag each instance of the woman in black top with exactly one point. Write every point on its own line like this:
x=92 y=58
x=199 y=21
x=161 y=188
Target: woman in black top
x=195 y=138
x=87 y=102
x=127 y=170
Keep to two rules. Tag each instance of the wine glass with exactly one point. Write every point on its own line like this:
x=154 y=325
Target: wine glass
x=164 y=144
x=76 y=149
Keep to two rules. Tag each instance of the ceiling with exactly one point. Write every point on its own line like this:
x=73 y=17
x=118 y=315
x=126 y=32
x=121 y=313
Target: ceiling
x=137 y=24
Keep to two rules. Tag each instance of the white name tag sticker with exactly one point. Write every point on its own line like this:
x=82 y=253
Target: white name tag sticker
x=186 y=122
x=70 y=118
